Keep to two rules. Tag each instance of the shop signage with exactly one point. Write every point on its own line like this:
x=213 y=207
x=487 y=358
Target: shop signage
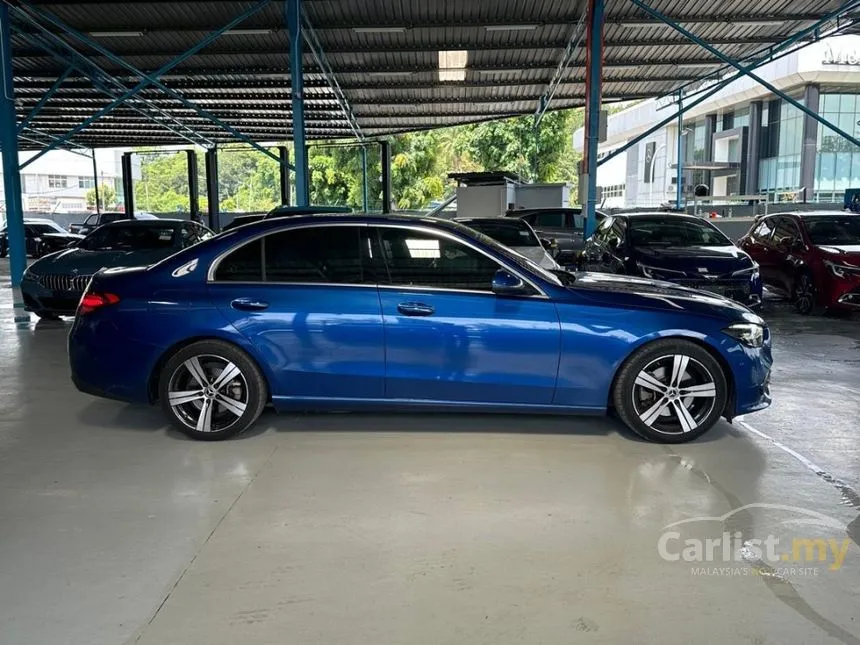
x=834 y=56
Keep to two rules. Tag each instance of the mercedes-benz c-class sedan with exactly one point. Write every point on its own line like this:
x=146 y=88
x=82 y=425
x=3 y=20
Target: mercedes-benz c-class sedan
x=347 y=312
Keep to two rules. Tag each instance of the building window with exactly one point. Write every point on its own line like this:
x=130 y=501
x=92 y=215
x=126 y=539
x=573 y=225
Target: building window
x=837 y=165
x=781 y=141
x=56 y=181
x=741 y=118
x=86 y=182
x=616 y=190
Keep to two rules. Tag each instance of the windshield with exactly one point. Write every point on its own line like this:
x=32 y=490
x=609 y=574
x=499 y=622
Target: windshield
x=511 y=256
x=833 y=230
x=130 y=238
x=671 y=231
x=512 y=232
x=39 y=229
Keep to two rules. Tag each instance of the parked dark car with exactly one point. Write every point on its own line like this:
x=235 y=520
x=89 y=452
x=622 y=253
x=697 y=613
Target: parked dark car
x=683 y=249
x=54 y=285
x=516 y=234
x=100 y=219
x=812 y=258
x=396 y=312
x=41 y=236
x=560 y=228
x=284 y=211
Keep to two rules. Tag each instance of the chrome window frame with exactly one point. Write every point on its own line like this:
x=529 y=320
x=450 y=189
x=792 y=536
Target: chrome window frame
x=213 y=266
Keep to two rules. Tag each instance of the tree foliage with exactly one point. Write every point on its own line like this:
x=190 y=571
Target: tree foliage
x=420 y=163
x=107 y=196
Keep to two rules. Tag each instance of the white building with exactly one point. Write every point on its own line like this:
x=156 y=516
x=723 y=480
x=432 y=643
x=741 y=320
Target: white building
x=744 y=140
x=58 y=181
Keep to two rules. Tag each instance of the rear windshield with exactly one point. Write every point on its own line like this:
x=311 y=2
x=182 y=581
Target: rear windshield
x=833 y=230
x=511 y=232
x=130 y=238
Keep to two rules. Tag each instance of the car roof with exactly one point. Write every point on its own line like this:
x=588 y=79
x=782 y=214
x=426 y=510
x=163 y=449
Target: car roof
x=656 y=214
x=834 y=213
x=145 y=222
x=498 y=220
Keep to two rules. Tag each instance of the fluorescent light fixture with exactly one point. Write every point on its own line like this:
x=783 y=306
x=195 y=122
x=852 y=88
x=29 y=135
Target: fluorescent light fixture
x=247 y=32
x=511 y=27
x=758 y=23
x=693 y=65
x=510 y=70
x=379 y=30
x=452 y=64
x=621 y=67
x=376 y=74
x=116 y=34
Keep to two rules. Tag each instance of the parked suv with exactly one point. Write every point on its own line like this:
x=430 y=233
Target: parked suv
x=99 y=219
x=812 y=258
x=560 y=229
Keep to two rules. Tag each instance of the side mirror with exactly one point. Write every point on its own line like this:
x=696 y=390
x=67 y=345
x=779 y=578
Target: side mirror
x=507 y=284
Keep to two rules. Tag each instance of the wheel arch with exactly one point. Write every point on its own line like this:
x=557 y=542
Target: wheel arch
x=155 y=372
x=728 y=374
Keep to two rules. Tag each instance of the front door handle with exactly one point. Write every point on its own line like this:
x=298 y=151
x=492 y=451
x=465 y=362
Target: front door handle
x=415 y=309
x=249 y=304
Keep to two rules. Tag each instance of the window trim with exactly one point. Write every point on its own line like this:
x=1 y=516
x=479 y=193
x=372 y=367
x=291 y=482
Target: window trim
x=213 y=266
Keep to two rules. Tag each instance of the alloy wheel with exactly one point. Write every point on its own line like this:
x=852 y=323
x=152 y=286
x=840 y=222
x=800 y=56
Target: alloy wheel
x=804 y=297
x=208 y=393
x=674 y=394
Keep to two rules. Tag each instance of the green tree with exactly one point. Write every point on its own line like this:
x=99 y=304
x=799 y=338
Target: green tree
x=107 y=196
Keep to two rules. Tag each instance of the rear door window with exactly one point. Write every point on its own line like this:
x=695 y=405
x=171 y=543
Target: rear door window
x=324 y=254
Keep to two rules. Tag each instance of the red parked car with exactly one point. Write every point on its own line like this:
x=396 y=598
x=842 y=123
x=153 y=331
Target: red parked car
x=812 y=258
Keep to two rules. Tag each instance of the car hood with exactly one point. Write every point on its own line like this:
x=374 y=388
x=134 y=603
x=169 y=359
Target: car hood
x=695 y=261
x=628 y=291
x=538 y=255
x=88 y=262
x=843 y=253
x=61 y=236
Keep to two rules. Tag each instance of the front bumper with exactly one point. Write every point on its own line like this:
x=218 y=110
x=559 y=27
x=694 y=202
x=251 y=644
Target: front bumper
x=752 y=371
x=40 y=299
x=746 y=292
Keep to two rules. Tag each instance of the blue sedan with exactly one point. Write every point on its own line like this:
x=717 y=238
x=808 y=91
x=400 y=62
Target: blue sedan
x=356 y=312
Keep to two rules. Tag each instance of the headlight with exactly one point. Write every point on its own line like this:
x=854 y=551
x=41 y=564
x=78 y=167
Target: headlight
x=749 y=334
x=656 y=273
x=752 y=272
x=842 y=270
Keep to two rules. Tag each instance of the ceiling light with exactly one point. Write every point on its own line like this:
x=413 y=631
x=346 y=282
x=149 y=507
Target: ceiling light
x=116 y=34
x=379 y=30
x=390 y=73
x=247 y=32
x=452 y=64
x=500 y=71
x=693 y=65
x=511 y=27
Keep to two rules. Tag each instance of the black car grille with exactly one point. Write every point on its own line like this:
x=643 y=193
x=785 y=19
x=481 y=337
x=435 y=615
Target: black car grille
x=734 y=289
x=68 y=283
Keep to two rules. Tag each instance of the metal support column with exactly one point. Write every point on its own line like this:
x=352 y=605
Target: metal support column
x=212 y=191
x=385 y=158
x=284 y=154
x=127 y=185
x=11 y=174
x=593 y=93
x=297 y=91
x=193 y=186
x=753 y=148
x=96 y=184
x=364 y=194
x=812 y=99
x=679 y=189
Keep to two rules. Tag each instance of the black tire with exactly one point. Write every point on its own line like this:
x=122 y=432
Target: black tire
x=245 y=394
x=639 y=406
x=805 y=296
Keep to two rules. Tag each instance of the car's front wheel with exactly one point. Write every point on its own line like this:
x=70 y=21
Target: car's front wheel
x=212 y=390
x=670 y=391
x=806 y=295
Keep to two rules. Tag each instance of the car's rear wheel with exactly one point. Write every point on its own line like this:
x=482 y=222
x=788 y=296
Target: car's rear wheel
x=212 y=390
x=670 y=391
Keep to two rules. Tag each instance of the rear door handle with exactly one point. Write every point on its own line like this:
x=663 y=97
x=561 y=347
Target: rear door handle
x=249 y=304
x=415 y=309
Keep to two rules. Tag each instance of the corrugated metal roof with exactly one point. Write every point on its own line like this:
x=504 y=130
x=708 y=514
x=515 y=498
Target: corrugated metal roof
x=384 y=54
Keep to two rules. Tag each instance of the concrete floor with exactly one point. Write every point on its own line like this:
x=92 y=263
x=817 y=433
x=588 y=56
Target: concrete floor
x=387 y=529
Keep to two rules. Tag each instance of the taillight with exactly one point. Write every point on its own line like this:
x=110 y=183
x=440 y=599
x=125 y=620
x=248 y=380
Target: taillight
x=92 y=301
